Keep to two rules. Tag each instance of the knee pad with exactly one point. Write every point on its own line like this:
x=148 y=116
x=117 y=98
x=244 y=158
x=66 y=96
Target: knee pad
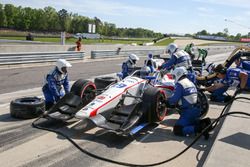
x=178 y=130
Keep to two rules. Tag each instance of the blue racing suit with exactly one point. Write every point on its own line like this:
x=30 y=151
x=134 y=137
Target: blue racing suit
x=185 y=94
x=52 y=88
x=231 y=80
x=127 y=68
x=181 y=59
x=178 y=59
x=244 y=65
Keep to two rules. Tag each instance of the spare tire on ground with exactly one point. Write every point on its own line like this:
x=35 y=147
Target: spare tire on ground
x=27 y=107
x=103 y=82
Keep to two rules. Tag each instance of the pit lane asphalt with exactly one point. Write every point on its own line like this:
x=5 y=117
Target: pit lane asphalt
x=21 y=145
x=20 y=78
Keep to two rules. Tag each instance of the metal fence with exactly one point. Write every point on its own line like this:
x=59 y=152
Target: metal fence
x=121 y=53
x=38 y=57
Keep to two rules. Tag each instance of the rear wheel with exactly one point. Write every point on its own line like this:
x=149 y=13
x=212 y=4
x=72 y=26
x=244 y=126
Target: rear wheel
x=85 y=89
x=203 y=104
x=154 y=104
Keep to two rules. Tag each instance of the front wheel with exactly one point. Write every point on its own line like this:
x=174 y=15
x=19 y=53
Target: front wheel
x=153 y=102
x=85 y=89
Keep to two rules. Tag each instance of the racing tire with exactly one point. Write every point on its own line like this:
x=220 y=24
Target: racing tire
x=153 y=102
x=103 y=82
x=203 y=104
x=85 y=89
x=27 y=107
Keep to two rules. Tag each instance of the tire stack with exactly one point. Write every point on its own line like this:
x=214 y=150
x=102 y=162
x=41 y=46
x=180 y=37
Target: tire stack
x=27 y=107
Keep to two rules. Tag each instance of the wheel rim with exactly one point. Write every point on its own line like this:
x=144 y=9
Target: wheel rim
x=160 y=106
x=88 y=93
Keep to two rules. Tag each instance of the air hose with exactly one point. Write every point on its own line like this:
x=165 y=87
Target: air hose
x=212 y=125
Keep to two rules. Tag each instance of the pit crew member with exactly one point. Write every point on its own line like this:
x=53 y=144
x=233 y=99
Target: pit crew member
x=54 y=81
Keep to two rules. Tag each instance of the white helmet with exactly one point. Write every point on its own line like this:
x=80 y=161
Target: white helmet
x=171 y=48
x=145 y=71
x=133 y=58
x=179 y=72
x=62 y=63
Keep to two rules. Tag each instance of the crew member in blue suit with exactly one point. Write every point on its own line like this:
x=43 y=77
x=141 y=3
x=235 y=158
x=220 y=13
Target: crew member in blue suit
x=185 y=94
x=242 y=64
x=232 y=77
x=129 y=66
x=55 y=81
x=179 y=58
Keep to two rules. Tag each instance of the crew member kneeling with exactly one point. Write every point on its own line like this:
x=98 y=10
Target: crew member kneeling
x=185 y=94
x=54 y=81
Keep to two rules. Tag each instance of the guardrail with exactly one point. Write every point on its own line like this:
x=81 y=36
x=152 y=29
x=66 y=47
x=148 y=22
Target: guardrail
x=95 y=54
x=38 y=57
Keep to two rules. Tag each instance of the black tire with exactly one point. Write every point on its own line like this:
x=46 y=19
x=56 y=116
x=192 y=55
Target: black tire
x=85 y=89
x=153 y=103
x=203 y=104
x=103 y=82
x=27 y=107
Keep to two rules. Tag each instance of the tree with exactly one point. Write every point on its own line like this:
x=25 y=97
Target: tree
x=10 y=14
x=64 y=19
x=52 y=19
x=238 y=36
x=226 y=32
x=203 y=32
x=2 y=16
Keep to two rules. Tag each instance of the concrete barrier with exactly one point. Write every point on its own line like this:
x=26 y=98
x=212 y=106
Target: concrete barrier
x=95 y=54
x=37 y=57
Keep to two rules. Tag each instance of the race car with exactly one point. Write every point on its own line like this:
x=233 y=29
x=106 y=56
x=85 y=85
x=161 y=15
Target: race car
x=124 y=107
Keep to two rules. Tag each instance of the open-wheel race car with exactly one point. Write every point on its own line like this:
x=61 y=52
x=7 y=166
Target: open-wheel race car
x=120 y=107
x=123 y=107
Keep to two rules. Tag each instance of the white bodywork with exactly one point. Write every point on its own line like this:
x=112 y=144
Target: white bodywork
x=109 y=99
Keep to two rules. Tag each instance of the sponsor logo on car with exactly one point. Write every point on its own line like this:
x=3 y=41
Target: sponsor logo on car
x=120 y=85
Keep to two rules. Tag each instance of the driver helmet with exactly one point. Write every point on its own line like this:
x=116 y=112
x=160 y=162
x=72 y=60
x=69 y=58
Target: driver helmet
x=62 y=63
x=192 y=44
x=133 y=58
x=145 y=71
x=178 y=73
x=172 y=48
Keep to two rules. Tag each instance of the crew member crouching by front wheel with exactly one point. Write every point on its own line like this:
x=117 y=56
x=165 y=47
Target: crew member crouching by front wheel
x=185 y=94
x=54 y=81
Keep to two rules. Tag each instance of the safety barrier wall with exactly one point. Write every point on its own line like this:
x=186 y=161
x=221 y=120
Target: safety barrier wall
x=38 y=57
x=95 y=54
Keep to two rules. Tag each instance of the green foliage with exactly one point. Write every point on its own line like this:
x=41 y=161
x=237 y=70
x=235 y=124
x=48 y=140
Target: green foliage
x=49 y=20
x=164 y=42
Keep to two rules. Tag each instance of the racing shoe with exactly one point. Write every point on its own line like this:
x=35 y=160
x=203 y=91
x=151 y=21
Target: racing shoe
x=227 y=98
x=204 y=123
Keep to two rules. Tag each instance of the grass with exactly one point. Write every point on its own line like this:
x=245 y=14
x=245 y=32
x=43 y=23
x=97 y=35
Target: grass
x=164 y=42
x=84 y=41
